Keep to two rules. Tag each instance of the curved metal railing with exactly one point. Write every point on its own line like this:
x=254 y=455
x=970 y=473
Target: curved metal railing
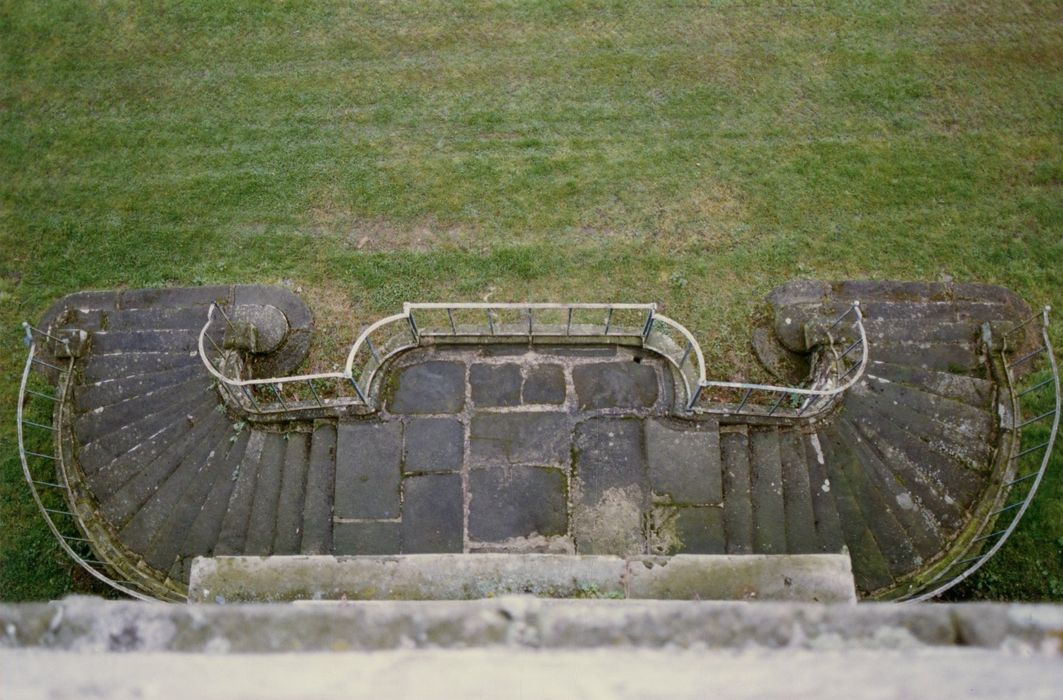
x=638 y=324
x=56 y=505
x=1026 y=466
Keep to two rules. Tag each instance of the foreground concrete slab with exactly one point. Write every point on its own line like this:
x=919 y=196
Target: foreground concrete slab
x=802 y=577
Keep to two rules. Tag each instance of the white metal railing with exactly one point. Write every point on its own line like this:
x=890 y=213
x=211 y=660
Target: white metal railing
x=1026 y=467
x=639 y=324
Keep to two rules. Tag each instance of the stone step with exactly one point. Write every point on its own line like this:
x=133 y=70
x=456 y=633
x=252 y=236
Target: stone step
x=889 y=331
x=683 y=459
x=870 y=568
x=320 y=490
x=952 y=358
x=737 y=492
x=97 y=368
x=769 y=514
x=120 y=504
x=797 y=495
x=941 y=487
x=180 y=524
x=972 y=391
x=132 y=342
x=234 y=525
x=288 y=531
x=174 y=297
x=205 y=529
x=920 y=523
x=101 y=421
x=158 y=318
x=139 y=531
x=877 y=513
x=263 y=519
x=112 y=391
x=111 y=477
x=828 y=522
x=971 y=452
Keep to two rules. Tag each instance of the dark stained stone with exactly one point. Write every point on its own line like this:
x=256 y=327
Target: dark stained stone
x=700 y=530
x=434 y=445
x=368 y=460
x=432 y=514
x=495 y=385
x=769 y=516
x=437 y=386
x=288 y=532
x=737 y=496
x=608 y=456
x=516 y=502
x=541 y=438
x=320 y=489
x=367 y=538
x=684 y=460
x=615 y=385
x=577 y=350
x=545 y=384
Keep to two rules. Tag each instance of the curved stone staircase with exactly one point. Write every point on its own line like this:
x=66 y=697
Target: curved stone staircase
x=905 y=472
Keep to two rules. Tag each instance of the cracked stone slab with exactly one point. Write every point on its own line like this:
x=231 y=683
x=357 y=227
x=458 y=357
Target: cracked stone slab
x=368 y=455
x=517 y=501
x=434 y=445
x=615 y=385
x=495 y=385
x=684 y=460
x=545 y=384
x=437 y=386
x=432 y=513
x=539 y=438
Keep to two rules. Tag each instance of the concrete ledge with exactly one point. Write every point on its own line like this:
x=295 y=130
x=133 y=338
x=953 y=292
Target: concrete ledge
x=798 y=577
x=92 y=625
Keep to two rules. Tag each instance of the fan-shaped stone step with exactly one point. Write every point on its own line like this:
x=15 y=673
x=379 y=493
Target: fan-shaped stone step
x=103 y=420
x=131 y=342
x=234 y=526
x=113 y=391
x=828 y=521
x=157 y=318
x=97 y=368
x=262 y=521
x=972 y=391
x=801 y=535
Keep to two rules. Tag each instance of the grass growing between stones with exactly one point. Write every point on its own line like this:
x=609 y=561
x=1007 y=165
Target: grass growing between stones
x=370 y=153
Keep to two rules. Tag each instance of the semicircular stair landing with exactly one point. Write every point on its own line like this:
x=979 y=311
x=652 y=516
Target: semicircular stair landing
x=532 y=448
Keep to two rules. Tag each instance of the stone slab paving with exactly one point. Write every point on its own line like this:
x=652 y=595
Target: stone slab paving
x=517 y=448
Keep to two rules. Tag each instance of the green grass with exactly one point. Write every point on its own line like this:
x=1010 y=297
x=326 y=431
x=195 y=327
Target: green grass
x=689 y=153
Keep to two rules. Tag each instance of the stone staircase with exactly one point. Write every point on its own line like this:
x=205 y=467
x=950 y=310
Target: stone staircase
x=530 y=448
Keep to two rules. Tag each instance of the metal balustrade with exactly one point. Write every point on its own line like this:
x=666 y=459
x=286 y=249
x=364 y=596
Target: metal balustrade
x=1034 y=412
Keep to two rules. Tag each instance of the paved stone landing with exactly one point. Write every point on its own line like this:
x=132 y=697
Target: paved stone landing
x=520 y=449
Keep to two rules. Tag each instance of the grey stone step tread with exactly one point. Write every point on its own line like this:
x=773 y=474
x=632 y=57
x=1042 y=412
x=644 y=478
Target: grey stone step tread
x=737 y=493
x=112 y=476
x=972 y=391
x=828 y=521
x=205 y=529
x=941 y=358
x=870 y=568
x=966 y=452
x=234 y=524
x=157 y=318
x=139 y=531
x=893 y=541
x=112 y=391
x=801 y=535
x=930 y=312
x=921 y=524
x=882 y=331
x=947 y=489
x=263 y=519
x=320 y=490
x=171 y=536
x=964 y=420
x=120 y=504
x=166 y=340
x=174 y=296
x=96 y=368
x=108 y=451
x=106 y=419
x=769 y=510
x=288 y=533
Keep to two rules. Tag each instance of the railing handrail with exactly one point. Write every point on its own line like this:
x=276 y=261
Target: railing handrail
x=1002 y=536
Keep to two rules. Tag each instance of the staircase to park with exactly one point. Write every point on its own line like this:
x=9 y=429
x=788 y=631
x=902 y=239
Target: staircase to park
x=910 y=428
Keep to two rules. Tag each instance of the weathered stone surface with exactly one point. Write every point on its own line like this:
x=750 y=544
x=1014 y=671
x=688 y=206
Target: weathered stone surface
x=737 y=493
x=769 y=517
x=971 y=390
x=107 y=393
x=434 y=445
x=98 y=368
x=609 y=454
x=292 y=498
x=539 y=438
x=432 y=514
x=435 y=577
x=430 y=387
x=495 y=385
x=684 y=460
x=701 y=530
x=544 y=384
x=234 y=522
x=615 y=385
x=517 y=502
x=797 y=495
x=269 y=323
x=368 y=469
x=320 y=491
x=367 y=538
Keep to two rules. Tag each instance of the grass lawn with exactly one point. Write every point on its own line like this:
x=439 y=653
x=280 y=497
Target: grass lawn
x=694 y=153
